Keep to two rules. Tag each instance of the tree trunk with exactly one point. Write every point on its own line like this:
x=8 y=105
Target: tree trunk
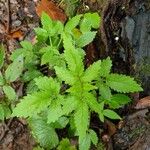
x=136 y=28
x=126 y=34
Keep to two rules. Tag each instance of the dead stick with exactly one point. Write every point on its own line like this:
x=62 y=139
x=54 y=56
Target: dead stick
x=5 y=129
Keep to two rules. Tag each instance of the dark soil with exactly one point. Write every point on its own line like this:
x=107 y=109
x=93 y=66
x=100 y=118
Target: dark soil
x=15 y=136
x=16 y=16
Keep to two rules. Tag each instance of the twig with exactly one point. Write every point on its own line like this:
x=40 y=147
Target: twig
x=4 y=132
x=8 y=16
x=1 y=22
x=9 y=122
x=60 y=3
x=6 y=129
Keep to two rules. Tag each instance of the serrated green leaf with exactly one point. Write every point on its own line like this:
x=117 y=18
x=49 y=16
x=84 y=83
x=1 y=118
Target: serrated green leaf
x=90 y=21
x=85 y=143
x=60 y=123
x=2 y=55
x=71 y=6
x=42 y=34
x=72 y=23
x=2 y=81
x=86 y=38
x=65 y=145
x=54 y=113
x=69 y=105
x=93 y=137
x=88 y=87
x=74 y=61
x=26 y=45
x=38 y=101
x=44 y=133
x=33 y=104
x=104 y=91
x=94 y=105
x=14 y=70
x=106 y=65
x=122 y=83
x=95 y=19
x=85 y=25
x=2 y=113
x=30 y=75
x=92 y=72
x=76 y=33
x=80 y=88
x=118 y=100
x=92 y=102
x=38 y=148
x=111 y=114
x=57 y=60
x=17 y=53
x=52 y=56
x=31 y=87
x=9 y=92
x=47 y=57
x=67 y=41
x=48 y=84
x=101 y=108
x=47 y=23
x=64 y=75
x=72 y=129
x=7 y=111
x=58 y=27
x=51 y=49
x=26 y=52
x=81 y=118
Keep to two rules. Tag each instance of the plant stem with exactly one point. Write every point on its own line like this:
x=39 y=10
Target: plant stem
x=50 y=39
x=59 y=43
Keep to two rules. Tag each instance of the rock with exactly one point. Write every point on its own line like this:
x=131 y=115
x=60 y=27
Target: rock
x=16 y=23
x=134 y=134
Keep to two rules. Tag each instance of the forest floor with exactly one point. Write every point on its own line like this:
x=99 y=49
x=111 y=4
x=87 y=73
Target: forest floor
x=17 y=20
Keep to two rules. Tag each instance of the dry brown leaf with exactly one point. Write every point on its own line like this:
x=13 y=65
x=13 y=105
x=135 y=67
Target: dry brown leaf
x=17 y=34
x=51 y=9
x=143 y=103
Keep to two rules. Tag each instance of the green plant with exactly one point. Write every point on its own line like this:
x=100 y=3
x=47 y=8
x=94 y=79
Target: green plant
x=8 y=95
x=69 y=96
x=65 y=144
x=70 y=6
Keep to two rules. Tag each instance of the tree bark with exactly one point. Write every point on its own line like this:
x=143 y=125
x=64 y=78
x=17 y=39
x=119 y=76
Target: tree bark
x=136 y=28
